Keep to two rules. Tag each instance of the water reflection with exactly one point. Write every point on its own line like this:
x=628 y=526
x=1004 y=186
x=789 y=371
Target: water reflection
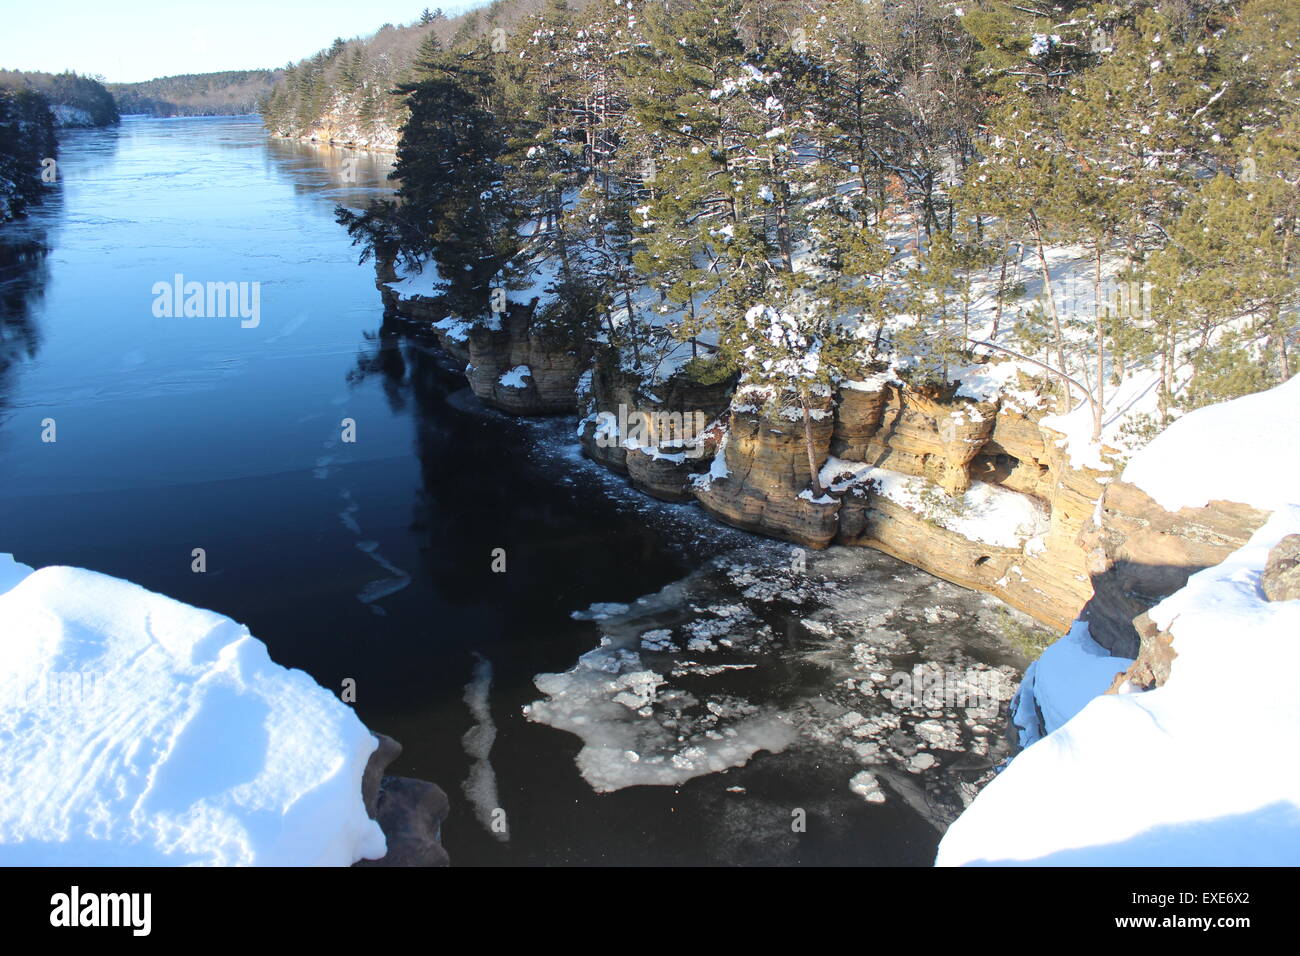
x=24 y=275
x=349 y=177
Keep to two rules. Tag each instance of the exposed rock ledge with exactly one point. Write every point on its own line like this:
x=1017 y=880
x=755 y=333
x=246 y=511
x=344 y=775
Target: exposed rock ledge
x=955 y=445
x=513 y=367
x=760 y=477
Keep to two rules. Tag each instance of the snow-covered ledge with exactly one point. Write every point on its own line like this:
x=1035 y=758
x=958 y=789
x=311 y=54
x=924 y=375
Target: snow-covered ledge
x=1197 y=771
x=137 y=730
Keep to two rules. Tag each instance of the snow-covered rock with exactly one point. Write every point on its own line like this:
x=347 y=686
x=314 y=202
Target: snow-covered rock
x=137 y=730
x=1192 y=772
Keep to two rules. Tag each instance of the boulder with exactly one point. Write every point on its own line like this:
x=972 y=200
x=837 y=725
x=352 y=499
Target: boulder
x=1281 y=578
x=409 y=811
x=1139 y=554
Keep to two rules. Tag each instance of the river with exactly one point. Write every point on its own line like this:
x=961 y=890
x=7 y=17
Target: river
x=369 y=563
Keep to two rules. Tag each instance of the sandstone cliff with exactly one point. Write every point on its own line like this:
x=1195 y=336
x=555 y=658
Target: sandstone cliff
x=952 y=445
x=509 y=364
x=677 y=418
x=958 y=465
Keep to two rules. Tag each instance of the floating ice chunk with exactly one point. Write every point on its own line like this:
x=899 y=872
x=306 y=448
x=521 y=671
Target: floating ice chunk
x=865 y=785
x=636 y=733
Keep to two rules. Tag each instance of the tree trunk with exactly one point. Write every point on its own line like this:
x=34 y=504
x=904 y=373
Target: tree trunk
x=808 y=444
x=1051 y=295
x=1099 y=403
x=1002 y=285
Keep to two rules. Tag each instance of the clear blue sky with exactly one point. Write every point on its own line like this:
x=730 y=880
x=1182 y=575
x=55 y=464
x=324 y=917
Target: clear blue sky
x=130 y=40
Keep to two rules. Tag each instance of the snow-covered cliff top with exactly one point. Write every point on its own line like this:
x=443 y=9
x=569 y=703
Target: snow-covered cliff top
x=137 y=730
x=1196 y=771
x=1246 y=450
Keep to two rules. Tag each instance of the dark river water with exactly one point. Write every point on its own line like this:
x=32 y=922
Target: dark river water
x=372 y=560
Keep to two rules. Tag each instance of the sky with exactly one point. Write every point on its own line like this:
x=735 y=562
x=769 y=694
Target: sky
x=130 y=40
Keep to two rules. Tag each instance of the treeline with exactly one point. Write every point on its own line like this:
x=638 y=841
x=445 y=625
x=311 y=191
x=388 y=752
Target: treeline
x=27 y=145
x=76 y=100
x=352 y=84
x=821 y=188
x=228 y=93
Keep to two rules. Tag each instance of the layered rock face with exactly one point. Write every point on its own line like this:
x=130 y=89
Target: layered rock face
x=510 y=367
x=1132 y=554
x=1139 y=554
x=1281 y=578
x=676 y=416
x=764 y=471
x=916 y=432
x=515 y=370
x=949 y=441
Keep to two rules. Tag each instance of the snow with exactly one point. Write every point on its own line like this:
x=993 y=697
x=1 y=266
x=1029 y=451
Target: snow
x=990 y=381
x=1246 y=450
x=514 y=378
x=986 y=513
x=718 y=469
x=415 y=281
x=71 y=116
x=874 y=382
x=455 y=329
x=1058 y=685
x=1196 y=772
x=138 y=730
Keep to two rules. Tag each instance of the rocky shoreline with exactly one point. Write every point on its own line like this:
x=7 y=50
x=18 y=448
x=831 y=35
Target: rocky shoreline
x=1103 y=550
x=971 y=483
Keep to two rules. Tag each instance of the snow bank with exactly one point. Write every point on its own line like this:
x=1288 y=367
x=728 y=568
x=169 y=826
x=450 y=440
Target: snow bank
x=1058 y=685
x=1246 y=450
x=137 y=730
x=1195 y=772
x=415 y=281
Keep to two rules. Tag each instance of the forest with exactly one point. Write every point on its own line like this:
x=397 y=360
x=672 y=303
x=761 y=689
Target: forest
x=76 y=100
x=803 y=193
x=229 y=93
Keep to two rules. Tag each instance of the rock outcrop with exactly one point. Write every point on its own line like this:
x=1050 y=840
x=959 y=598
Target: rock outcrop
x=1111 y=560
x=1281 y=578
x=677 y=415
x=1139 y=554
x=763 y=482
x=954 y=442
x=510 y=365
x=915 y=431
x=409 y=811
x=519 y=371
